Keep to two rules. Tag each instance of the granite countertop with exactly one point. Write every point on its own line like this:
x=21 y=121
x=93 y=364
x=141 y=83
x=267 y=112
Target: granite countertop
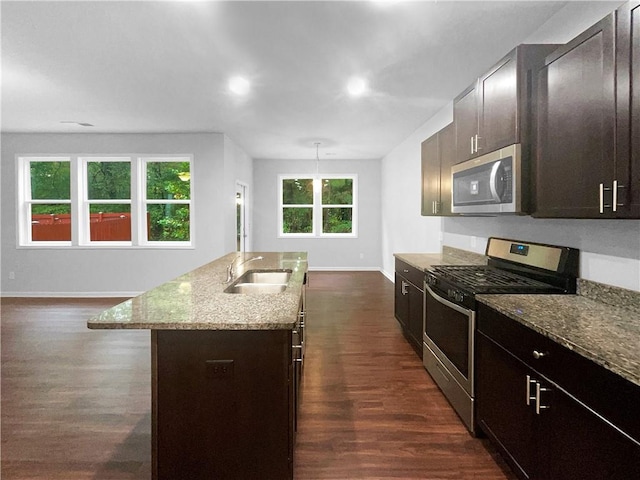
x=449 y=256
x=196 y=300
x=607 y=334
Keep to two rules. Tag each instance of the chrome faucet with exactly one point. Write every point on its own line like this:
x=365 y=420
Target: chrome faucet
x=230 y=271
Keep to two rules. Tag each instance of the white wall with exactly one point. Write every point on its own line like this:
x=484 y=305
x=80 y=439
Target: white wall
x=111 y=271
x=610 y=249
x=361 y=253
x=405 y=230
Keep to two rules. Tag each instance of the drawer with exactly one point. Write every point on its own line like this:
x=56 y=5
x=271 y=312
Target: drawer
x=410 y=273
x=600 y=389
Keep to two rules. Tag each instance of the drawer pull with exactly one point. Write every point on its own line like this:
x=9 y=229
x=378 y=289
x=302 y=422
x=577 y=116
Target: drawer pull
x=539 y=406
x=538 y=355
x=530 y=381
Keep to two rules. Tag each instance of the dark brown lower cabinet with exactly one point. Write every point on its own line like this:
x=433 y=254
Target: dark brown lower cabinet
x=409 y=303
x=542 y=426
x=222 y=404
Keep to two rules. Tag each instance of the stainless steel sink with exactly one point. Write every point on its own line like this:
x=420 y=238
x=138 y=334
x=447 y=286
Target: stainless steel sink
x=260 y=282
x=266 y=276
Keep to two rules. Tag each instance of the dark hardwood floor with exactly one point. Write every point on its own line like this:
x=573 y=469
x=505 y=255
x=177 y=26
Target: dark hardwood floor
x=76 y=402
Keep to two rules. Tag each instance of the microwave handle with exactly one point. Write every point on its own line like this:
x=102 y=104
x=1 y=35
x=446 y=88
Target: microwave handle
x=492 y=181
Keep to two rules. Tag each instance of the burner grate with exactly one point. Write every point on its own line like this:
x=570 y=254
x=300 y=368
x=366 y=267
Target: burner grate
x=486 y=279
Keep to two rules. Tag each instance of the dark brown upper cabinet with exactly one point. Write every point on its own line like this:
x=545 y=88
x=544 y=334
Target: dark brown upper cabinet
x=627 y=174
x=589 y=122
x=495 y=111
x=438 y=155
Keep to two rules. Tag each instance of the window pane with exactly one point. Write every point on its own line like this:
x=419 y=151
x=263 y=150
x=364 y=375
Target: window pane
x=297 y=220
x=337 y=220
x=297 y=191
x=50 y=180
x=109 y=180
x=337 y=191
x=110 y=222
x=51 y=223
x=168 y=180
x=168 y=222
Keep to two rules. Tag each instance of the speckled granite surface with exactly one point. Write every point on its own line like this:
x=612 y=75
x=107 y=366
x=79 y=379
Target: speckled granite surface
x=449 y=256
x=196 y=299
x=601 y=332
x=618 y=297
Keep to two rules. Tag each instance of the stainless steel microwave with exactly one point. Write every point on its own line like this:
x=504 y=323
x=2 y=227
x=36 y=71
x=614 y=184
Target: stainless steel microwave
x=491 y=183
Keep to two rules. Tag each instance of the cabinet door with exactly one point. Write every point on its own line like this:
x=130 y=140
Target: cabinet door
x=627 y=173
x=501 y=406
x=447 y=150
x=430 y=176
x=498 y=114
x=576 y=106
x=582 y=445
x=401 y=304
x=465 y=117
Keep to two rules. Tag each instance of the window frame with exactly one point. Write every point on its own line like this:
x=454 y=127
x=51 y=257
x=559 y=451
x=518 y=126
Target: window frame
x=80 y=203
x=318 y=207
x=25 y=200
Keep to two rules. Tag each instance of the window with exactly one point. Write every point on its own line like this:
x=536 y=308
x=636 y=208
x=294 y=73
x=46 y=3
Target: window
x=318 y=206
x=108 y=201
x=46 y=186
x=167 y=200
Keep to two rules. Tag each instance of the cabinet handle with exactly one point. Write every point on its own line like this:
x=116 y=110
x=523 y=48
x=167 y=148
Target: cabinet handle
x=477 y=147
x=539 y=406
x=538 y=355
x=615 y=195
x=602 y=204
x=472 y=144
x=530 y=381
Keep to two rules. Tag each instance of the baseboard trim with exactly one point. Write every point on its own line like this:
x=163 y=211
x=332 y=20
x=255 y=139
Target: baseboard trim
x=69 y=294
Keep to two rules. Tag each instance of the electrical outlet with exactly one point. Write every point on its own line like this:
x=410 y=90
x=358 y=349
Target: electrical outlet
x=12 y=275
x=473 y=242
x=219 y=369
x=361 y=256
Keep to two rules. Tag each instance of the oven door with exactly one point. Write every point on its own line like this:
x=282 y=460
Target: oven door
x=449 y=334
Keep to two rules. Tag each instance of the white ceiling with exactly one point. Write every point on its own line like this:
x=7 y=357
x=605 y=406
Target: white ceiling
x=163 y=67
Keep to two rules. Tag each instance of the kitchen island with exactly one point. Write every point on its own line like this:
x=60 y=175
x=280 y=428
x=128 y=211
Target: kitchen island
x=224 y=374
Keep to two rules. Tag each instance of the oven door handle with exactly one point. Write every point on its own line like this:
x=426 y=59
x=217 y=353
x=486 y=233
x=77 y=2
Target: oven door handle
x=457 y=308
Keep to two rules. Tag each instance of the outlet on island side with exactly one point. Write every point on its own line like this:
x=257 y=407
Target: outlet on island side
x=12 y=275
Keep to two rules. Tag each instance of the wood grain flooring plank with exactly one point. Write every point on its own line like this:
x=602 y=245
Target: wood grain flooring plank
x=76 y=402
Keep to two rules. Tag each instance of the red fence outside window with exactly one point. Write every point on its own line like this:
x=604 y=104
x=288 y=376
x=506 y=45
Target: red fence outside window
x=104 y=227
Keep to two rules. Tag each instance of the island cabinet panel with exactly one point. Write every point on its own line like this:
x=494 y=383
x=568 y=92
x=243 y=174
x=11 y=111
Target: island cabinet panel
x=438 y=155
x=409 y=303
x=552 y=413
x=588 y=164
x=222 y=404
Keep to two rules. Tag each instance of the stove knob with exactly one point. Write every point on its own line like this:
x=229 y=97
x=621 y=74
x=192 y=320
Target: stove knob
x=459 y=296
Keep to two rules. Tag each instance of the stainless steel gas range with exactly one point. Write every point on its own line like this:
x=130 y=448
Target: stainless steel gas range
x=450 y=307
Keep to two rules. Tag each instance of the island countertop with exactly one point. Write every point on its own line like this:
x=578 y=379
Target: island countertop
x=196 y=300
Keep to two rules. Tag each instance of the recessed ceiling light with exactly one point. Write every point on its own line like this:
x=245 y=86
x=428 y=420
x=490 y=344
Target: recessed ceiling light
x=356 y=86
x=239 y=85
